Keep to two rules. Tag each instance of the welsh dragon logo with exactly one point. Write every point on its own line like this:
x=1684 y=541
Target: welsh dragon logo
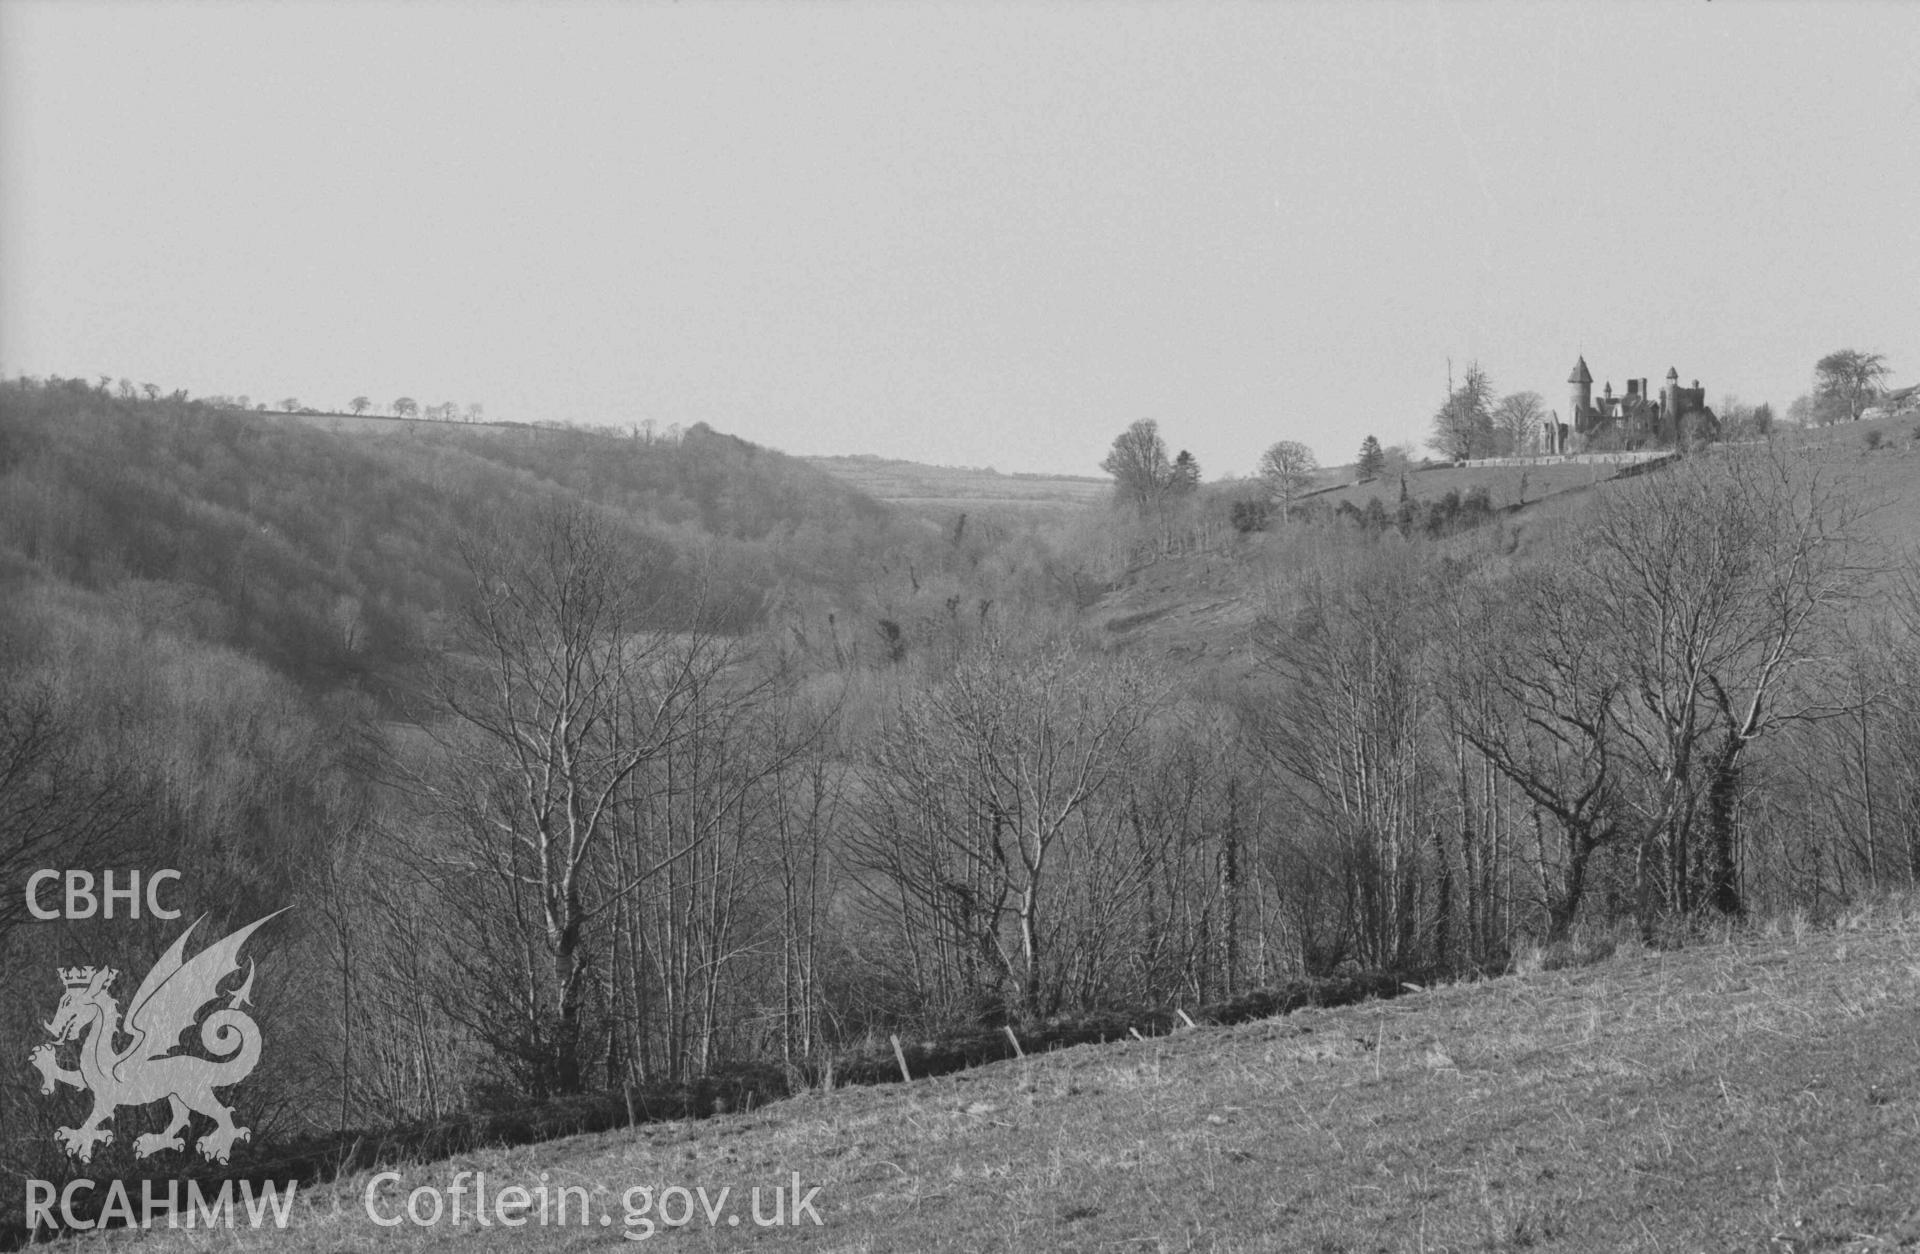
x=147 y=1069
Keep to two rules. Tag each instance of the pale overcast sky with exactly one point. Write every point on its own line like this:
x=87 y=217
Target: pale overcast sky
x=962 y=233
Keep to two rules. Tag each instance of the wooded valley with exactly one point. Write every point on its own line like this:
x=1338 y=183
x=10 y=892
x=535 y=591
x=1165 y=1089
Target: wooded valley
x=598 y=765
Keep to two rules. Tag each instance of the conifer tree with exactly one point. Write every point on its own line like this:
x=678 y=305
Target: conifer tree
x=1373 y=458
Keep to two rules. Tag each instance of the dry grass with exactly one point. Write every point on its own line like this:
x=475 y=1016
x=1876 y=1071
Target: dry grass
x=1886 y=476
x=1762 y=1094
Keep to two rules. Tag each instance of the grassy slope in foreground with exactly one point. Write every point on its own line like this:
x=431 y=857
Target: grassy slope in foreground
x=1758 y=1095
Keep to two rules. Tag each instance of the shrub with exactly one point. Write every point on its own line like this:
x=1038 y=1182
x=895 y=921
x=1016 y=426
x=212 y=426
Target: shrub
x=1249 y=516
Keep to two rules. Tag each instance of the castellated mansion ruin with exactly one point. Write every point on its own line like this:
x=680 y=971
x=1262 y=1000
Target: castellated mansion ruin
x=1638 y=419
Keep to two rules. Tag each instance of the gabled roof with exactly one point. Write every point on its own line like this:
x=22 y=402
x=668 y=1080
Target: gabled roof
x=1580 y=372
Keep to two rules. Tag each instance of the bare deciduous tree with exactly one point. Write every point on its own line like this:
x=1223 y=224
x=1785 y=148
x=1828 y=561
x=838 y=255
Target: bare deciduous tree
x=1288 y=467
x=1138 y=463
x=1463 y=425
x=56 y=807
x=1719 y=585
x=979 y=818
x=562 y=691
x=1517 y=421
x=1348 y=731
x=1533 y=690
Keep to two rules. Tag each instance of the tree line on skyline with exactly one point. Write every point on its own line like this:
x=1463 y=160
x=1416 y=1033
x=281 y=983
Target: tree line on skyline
x=402 y=407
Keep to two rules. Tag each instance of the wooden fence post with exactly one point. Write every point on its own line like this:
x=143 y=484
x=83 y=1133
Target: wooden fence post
x=901 y=1055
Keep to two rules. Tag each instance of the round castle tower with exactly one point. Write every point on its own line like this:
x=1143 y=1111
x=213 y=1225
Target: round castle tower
x=1581 y=399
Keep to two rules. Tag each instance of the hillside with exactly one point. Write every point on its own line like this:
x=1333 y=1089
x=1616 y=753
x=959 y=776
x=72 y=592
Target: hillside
x=1758 y=1094
x=1201 y=606
x=1884 y=454
x=916 y=485
x=328 y=553
x=1505 y=485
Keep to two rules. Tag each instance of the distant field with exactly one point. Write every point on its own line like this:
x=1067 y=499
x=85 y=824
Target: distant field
x=1757 y=1095
x=380 y=424
x=903 y=482
x=960 y=486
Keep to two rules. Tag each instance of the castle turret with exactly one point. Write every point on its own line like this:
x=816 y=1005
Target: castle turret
x=1671 y=397
x=1581 y=398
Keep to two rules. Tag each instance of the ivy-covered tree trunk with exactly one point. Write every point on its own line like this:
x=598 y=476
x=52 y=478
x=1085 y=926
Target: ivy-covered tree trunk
x=1723 y=869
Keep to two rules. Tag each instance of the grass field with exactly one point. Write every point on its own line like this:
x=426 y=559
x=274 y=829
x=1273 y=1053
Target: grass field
x=959 y=487
x=1882 y=458
x=383 y=424
x=1759 y=1094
